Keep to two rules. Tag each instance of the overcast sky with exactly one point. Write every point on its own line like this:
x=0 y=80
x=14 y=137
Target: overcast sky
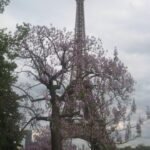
x=121 y=23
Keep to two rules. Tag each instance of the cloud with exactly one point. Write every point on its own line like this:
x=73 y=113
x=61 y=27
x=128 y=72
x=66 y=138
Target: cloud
x=8 y=21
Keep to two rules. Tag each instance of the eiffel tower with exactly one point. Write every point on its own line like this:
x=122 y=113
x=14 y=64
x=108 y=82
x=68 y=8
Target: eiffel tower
x=77 y=83
x=79 y=36
x=81 y=129
x=80 y=23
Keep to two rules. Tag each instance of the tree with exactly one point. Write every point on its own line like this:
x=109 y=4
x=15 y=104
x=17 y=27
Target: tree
x=9 y=115
x=3 y=3
x=58 y=53
x=90 y=106
x=110 y=103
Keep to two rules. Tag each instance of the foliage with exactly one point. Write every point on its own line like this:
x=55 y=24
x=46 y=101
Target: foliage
x=9 y=115
x=3 y=3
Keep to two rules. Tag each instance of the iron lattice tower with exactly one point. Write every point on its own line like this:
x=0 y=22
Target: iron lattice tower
x=80 y=23
x=79 y=36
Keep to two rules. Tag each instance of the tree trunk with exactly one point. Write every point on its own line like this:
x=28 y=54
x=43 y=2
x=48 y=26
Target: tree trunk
x=55 y=130
x=55 y=125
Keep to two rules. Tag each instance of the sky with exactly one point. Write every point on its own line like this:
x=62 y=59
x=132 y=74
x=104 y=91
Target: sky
x=124 y=24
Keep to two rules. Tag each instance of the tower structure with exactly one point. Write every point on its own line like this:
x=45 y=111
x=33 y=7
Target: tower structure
x=79 y=36
x=80 y=23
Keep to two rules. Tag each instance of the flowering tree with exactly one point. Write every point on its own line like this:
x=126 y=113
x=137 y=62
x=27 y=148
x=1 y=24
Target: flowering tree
x=83 y=96
x=105 y=100
x=48 y=53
